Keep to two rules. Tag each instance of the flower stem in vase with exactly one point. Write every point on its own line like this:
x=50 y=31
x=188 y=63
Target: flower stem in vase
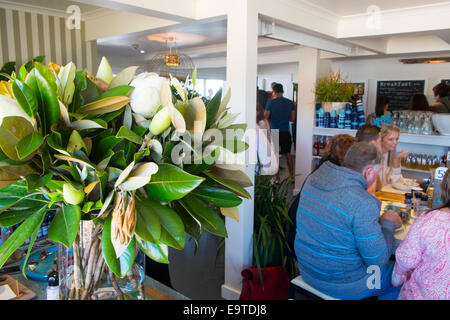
x=119 y=292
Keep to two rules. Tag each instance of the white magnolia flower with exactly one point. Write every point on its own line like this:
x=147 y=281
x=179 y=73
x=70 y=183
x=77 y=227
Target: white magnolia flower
x=145 y=98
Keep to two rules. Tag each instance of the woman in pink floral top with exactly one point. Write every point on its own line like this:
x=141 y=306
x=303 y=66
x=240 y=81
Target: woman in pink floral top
x=423 y=258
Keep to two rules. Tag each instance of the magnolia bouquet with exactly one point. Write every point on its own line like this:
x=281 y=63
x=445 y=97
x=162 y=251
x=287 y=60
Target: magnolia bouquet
x=122 y=152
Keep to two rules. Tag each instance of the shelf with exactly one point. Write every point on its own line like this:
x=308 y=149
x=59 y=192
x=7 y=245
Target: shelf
x=416 y=170
x=432 y=140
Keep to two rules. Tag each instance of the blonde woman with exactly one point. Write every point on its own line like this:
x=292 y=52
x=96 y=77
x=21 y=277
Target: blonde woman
x=391 y=162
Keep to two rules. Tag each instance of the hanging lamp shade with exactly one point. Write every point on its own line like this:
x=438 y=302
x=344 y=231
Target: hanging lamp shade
x=172 y=63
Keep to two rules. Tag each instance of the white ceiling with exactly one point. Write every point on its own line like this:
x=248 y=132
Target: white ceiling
x=207 y=40
x=352 y=7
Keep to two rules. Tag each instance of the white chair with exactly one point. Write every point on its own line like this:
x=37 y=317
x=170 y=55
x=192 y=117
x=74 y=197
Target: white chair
x=299 y=282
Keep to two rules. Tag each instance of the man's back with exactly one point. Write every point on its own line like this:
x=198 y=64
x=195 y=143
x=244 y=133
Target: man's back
x=338 y=234
x=280 y=110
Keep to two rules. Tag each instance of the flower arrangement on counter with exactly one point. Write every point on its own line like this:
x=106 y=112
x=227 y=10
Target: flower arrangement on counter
x=114 y=151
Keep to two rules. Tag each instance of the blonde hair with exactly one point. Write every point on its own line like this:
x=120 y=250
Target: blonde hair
x=386 y=129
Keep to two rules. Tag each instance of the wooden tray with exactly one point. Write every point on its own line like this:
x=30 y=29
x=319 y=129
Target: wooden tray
x=390 y=196
x=24 y=292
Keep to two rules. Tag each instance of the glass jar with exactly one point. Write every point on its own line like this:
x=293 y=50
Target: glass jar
x=84 y=274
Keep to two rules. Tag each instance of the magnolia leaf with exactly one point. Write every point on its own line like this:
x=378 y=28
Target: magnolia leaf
x=126 y=133
x=108 y=201
x=148 y=226
x=75 y=142
x=124 y=77
x=171 y=183
x=28 y=145
x=172 y=227
x=120 y=267
x=11 y=174
x=179 y=88
x=25 y=97
x=156 y=252
x=139 y=177
x=6 y=89
x=65 y=224
x=12 y=130
x=116 y=92
x=66 y=76
x=105 y=105
x=77 y=160
x=104 y=71
x=125 y=173
x=213 y=107
x=223 y=104
x=156 y=149
x=232 y=213
x=228 y=160
x=236 y=176
x=195 y=117
x=217 y=196
x=21 y=234
x=48 y=109
x=90 y=187
x=232 y=186
x=227 y=120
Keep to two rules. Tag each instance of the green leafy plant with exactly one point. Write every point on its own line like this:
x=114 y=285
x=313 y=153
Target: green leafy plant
x=113 y=151
x=271 y=222
x=333 y=88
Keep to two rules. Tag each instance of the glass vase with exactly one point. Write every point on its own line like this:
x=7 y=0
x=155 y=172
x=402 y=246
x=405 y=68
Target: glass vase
x=86 y=276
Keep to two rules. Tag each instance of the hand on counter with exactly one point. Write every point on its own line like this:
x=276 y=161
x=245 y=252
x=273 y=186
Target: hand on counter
x=393 y=217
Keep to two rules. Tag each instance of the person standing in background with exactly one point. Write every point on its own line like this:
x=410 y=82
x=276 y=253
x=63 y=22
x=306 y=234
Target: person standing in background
x=419 y=102
x=442 y=104
x=279 y=112
x=381 y=115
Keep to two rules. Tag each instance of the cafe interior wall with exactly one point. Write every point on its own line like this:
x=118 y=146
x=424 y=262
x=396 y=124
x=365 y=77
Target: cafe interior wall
x=26 y=33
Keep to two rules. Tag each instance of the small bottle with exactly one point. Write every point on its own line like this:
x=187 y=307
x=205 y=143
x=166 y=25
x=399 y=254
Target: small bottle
x=53 y=286
x=408 y=200
x=417 y=201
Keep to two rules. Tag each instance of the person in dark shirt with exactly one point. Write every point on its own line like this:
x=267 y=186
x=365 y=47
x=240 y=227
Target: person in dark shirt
x=279 y=112
x=441 y=94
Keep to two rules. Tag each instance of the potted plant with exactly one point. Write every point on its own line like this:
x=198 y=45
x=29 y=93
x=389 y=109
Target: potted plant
x=268 y=278
x=333 y=91
x=111 y=155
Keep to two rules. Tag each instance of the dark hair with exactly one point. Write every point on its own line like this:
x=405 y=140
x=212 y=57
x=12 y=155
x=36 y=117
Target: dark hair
x=360 y=155
x=337 y=147
x=261 y=99
x=278 y=88
x=441 y=89
x=367 y=133
x=382 y=101
x=419 y=102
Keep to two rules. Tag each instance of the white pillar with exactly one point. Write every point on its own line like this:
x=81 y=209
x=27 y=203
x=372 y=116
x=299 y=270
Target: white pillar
x=308 y=64
x=242 y=44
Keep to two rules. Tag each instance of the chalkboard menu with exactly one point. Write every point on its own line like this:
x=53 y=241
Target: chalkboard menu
x=399 y=92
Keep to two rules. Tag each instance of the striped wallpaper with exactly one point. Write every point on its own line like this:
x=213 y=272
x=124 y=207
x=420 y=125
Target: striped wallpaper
x=25 y=35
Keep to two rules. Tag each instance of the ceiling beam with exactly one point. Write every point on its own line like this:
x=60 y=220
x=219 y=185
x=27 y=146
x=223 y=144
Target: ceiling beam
x=174 y=10
x=273 y=31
